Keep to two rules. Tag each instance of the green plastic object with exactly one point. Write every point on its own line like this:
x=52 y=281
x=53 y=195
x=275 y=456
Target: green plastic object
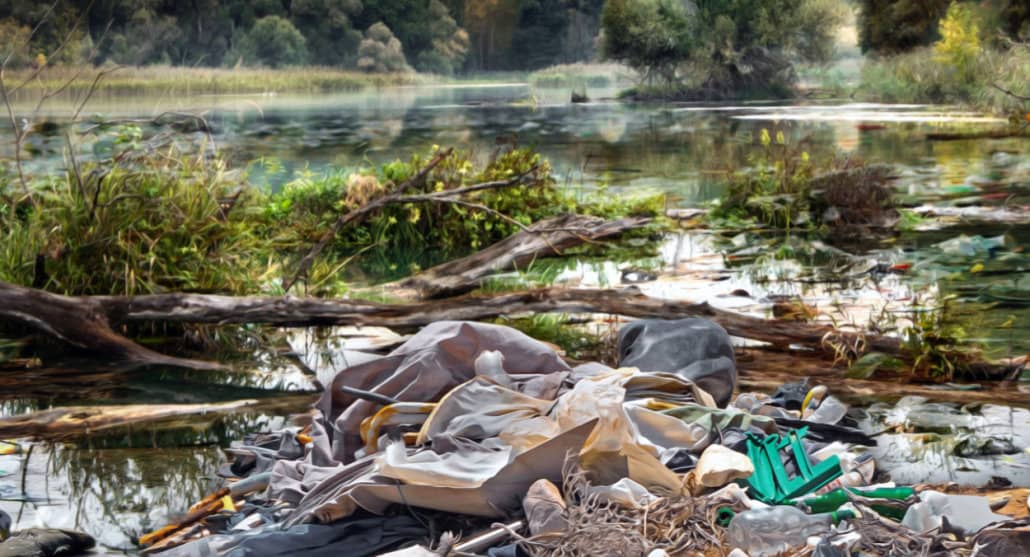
x=770 y=482
x=831 y=501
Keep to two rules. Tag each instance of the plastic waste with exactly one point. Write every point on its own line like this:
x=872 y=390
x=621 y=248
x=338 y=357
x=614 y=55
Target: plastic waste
x=771 y=483
x=791 y=395
x=856 y=471
x=694 y=348
x=830 y=411
x=965 y=513
x=771 y=531
x=544 y=506
x=833 y=500
x=625 y=492
x=490 y=363
x=717 y=467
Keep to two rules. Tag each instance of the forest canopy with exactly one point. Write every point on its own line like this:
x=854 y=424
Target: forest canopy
x=436 y=36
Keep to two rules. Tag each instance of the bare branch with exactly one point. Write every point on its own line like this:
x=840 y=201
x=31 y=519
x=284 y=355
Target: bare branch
x=343 y=220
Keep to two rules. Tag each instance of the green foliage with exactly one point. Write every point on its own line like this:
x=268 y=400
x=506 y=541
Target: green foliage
x=776 y=190
x=450 y=43
x=892 y=26
x=380 y=51
x=918 y=77
x=401 y=239
x=959 y=46
x=274 y=42
x=14 y=43
x=441 y=36
x=895 y=26
x=576 y=340
x=140 y=226
x=719 y=48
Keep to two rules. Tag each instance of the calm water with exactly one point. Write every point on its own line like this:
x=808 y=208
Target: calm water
x=119 y=486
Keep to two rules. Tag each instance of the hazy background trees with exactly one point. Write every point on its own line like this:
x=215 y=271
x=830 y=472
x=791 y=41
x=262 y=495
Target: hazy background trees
x=704 y=48
x=439 y=36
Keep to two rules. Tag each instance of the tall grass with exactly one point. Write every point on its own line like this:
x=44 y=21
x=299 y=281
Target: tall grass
x=919 y=77
x=174 y=80
x=161 y=222
x=583 y=75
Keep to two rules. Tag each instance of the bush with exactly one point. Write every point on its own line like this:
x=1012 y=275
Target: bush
x=381 y=52
x=401 y=239
x=155 y=224
x=959 y=46
x=919 y=77
x=450 y=43
x=719 y=49
x=274 y=42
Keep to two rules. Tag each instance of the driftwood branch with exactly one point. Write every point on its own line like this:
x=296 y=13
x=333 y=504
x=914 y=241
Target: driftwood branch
x=400 y=196
x=83 y=321
x=546 y=238
x=351 y=216
x=74 y=421
x=82 y=324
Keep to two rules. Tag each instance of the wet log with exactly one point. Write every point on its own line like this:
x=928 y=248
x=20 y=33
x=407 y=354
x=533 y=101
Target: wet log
x=80 y=323
x=291 y=311
x=984 y=134
x=546 y=238
x=305 y=312
x=75 y=421
x=765 y=370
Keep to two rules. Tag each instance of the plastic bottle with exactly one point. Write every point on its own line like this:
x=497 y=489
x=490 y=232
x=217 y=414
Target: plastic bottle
x=830 y=411
x=833 y=500
x=774 y=530
x=858 y=472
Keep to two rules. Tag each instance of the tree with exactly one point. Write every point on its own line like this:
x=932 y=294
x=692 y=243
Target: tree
x=328 y=26
x=652 y=36
x=959 y=46
x=892 y=26
x=720 y=48
x=381 y=51
x=274 y=42
x=148 y=39
x=450 y=43
x=14 y=40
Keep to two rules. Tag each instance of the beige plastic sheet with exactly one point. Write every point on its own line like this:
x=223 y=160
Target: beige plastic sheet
x=491 y=435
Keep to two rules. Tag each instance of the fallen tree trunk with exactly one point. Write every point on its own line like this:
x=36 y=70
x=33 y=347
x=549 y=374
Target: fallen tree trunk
x=82 y=324
x=984 y=134
x=306 y=312
x=546 y=238
x=83 y=321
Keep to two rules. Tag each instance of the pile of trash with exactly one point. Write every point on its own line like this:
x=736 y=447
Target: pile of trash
x=473 y=439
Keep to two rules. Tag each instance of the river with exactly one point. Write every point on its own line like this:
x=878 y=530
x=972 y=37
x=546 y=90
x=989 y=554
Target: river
x=118 y=486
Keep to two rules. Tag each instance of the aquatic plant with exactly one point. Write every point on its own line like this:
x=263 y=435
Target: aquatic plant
x=784 y=188
x=404 y=238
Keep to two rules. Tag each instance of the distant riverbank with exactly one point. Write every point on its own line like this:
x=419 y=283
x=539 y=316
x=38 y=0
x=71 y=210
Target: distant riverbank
x=172 y=80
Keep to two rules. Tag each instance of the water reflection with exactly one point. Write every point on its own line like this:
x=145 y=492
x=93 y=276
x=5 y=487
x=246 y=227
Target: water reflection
x=684 y=150
x=119 y=486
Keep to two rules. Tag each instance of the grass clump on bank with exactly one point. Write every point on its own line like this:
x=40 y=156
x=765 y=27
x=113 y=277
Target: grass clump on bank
x=581 y=76
x=181 y=81
x=918 y=77
x=164 y=221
